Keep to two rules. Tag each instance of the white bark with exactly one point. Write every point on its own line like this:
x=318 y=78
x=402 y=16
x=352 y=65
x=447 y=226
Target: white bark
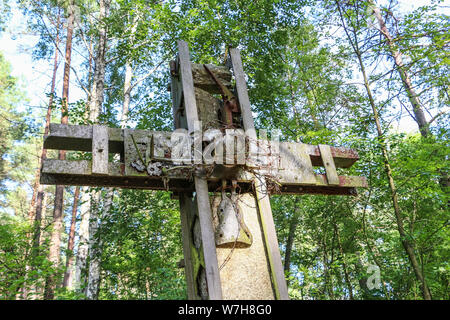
x=127 y=87
x=126 y=94
x=97 y=96
x=83 y=242
x=96 y=248
x=419 y=115
x=89 y=212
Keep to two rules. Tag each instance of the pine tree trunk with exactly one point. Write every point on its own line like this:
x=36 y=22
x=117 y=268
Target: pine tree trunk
x=58 y=212
x=35 y=212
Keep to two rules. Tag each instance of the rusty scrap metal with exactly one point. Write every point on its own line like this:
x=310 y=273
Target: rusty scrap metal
x=230 y=102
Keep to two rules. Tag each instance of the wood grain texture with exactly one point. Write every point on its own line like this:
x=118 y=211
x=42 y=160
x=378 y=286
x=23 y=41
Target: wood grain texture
x=100 y=152
x=330 y=168
x=79 y=138
x=186 y=216
x=201 y=185
x=246 y=274
x=265 y=211
x=79 y=173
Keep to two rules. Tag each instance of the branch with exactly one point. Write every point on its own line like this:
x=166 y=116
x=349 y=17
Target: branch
x=145 y=77
x=436 y=116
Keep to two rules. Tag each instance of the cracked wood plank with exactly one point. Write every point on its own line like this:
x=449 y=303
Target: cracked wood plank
x=79 y=138
x=201 y=185
x=262 y=197
x=100 y=150
x=81 y=169
x=330 y=168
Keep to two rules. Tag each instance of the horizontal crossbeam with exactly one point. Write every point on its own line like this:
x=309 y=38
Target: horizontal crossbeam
x=79 y=138
x=67 y=172
x=294 y=175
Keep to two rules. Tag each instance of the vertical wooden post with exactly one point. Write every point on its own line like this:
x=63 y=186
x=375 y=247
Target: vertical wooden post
x=201 y=185
x=263 y=201
x=100 y=151
x=328 y=163
x=186 y=217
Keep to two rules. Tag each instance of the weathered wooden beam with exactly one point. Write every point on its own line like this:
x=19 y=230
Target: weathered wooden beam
x=343 y=157
x=203 y=80
x=262 y=196
x=247 y=274
x=80 y=170
x=186 y=217
x=79 y=138
x=328 y=162
x=295 y=163
x=201 y=185
x=100 y=150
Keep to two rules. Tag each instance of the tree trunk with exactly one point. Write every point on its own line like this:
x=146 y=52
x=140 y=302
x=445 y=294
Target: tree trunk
x=97 y=96
x=126 y=93
x=100 y=64
x=327 y=276
x=403 y=236
x=344 y=262
x=291 y=236
x=35 y=212
x=67 y=282
x=55 y=242
x=382 y=144
x=419 y=115
x=96 y=249
x=83 y=242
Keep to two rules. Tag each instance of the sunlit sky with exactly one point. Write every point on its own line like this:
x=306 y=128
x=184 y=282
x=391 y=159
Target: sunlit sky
x=16 y=44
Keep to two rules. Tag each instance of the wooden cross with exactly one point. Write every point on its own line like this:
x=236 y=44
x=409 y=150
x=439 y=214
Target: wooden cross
x=204 y=176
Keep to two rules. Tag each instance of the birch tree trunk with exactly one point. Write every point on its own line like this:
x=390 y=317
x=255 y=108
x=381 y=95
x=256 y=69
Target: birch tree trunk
x=419 y=115
x=97 y=96
x=126 y=93
x=96 y=249
x=80 y=274
x=407 y=245
x=67 y=282
x=96 y=244
x=55 y=241
x=83 y=242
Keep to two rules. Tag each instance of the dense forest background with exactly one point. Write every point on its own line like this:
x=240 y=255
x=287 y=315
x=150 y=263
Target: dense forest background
x=369 y=75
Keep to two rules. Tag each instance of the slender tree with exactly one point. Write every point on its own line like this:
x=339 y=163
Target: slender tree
x=407 y=245
x=58 y=212
x=67 y=282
